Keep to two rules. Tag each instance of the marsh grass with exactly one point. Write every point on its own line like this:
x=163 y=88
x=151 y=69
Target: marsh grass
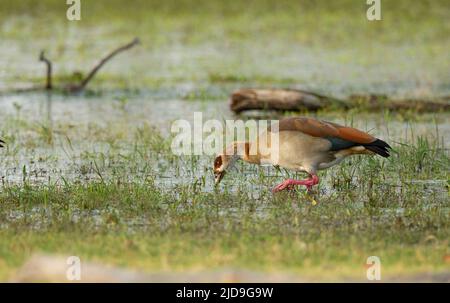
x=328 y=47
x=123 y=198
x=94 y=176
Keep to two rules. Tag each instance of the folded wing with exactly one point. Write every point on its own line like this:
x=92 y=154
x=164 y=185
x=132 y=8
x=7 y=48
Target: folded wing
x=341 y=137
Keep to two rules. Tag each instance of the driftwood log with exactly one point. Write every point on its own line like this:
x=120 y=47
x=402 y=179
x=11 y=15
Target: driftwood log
x=298 y=100
x=280 y=99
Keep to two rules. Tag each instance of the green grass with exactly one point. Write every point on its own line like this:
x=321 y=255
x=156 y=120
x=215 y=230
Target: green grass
x=107 y=187
x=124 y=199
x=148 y=228
x=323 y=45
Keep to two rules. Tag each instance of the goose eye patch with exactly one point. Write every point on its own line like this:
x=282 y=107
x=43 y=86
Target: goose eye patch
x=218 y=162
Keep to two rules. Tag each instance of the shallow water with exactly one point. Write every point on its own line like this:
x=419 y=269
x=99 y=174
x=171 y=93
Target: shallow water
x=75 y=155
x=187 y=58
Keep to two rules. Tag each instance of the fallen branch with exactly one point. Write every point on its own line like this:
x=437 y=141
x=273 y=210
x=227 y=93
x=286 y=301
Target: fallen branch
x=76 y=87
x=42 y=58
x=280 y=99
x=90 y=76
x=298 y=100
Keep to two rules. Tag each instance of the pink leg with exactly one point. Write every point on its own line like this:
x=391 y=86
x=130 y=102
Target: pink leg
x=290 y=183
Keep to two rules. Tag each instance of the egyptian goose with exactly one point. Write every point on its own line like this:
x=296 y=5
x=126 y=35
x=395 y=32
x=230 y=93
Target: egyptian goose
x=305 y=145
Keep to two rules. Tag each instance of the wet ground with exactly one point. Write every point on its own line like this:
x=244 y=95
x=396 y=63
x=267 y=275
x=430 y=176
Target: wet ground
x=94 y=173
x=70 y=125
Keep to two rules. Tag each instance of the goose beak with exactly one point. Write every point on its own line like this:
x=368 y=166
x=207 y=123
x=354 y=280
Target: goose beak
x=218 y=177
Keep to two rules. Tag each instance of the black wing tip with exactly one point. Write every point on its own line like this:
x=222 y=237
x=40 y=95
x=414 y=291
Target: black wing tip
x=382 y=143
x=2 y=143
x=379 y=147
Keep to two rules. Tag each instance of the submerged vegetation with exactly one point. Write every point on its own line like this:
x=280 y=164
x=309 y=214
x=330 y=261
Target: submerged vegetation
x=93 y=175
